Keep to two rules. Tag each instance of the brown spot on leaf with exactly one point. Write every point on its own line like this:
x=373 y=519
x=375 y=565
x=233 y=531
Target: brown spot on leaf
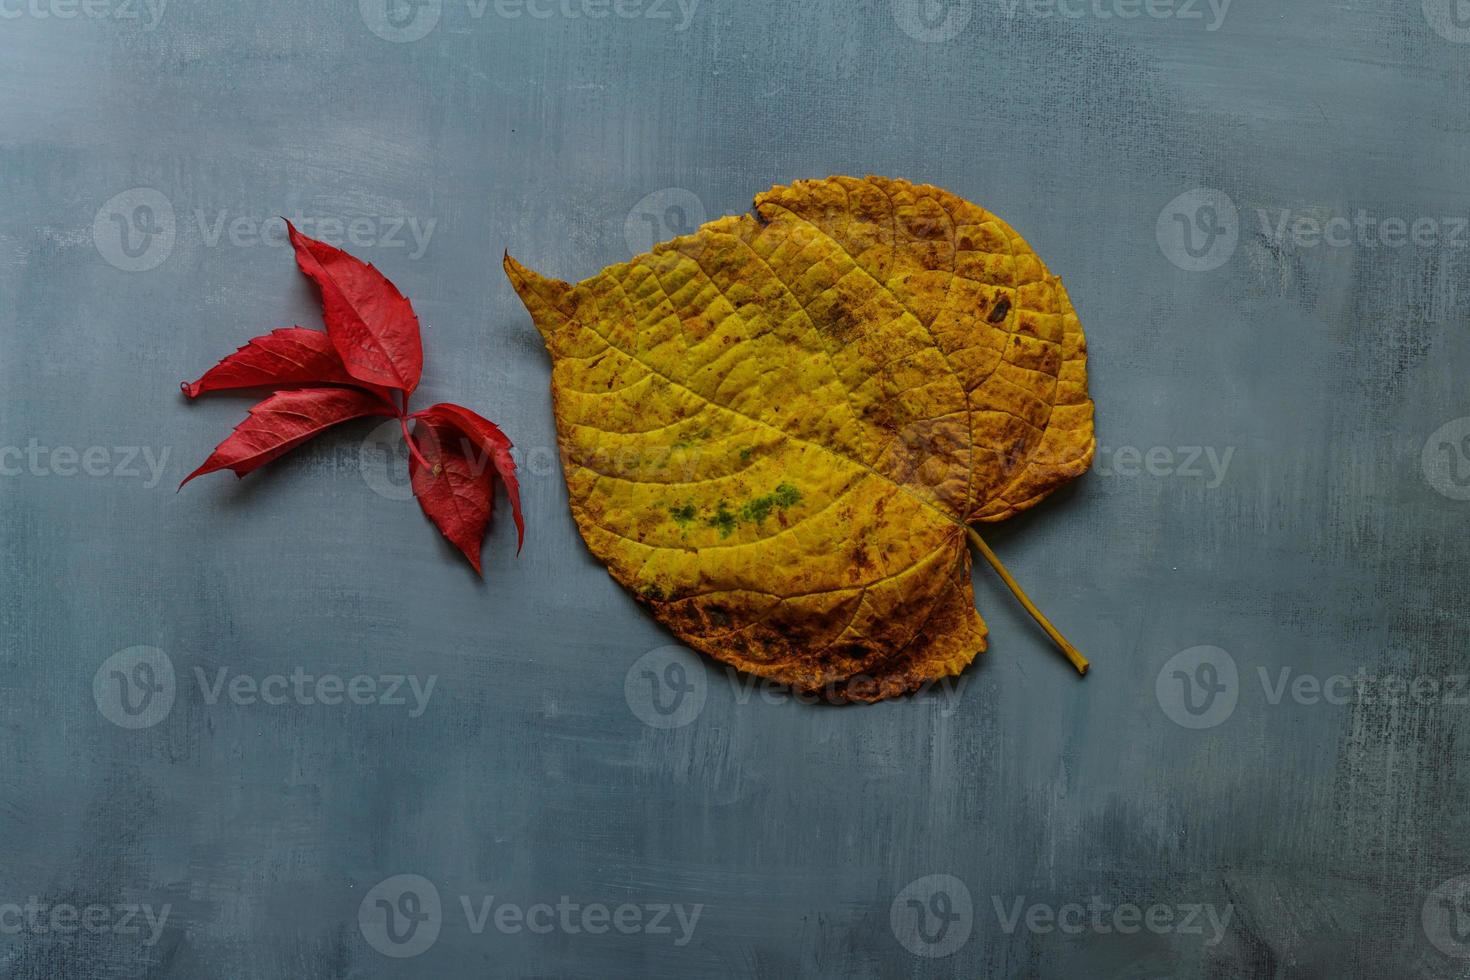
x=1001 y=309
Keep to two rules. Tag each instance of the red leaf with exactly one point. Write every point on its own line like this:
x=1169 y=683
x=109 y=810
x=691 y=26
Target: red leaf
x=289 y=356
x=369 y=321
x=372 y=348
x=284 y=421
x=488 y=437
x=455 y=490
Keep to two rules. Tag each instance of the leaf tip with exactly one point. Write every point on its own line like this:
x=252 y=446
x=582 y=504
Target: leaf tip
x=208 y=466
x=545 y=298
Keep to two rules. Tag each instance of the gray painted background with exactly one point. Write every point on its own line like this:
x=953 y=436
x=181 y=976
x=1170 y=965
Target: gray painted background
x=1326 y=835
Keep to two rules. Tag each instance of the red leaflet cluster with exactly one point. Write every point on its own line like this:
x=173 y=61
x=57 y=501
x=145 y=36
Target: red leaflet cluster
x=368 y=363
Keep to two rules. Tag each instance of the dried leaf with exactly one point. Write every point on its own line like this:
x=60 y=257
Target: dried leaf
x=284 y=421
x=369 y=321
x=455 y=487
x=778 y=428
x=288 y=356
x=491 y=442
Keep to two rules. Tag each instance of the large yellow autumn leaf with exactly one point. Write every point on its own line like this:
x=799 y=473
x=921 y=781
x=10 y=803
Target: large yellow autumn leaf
x=777 y=430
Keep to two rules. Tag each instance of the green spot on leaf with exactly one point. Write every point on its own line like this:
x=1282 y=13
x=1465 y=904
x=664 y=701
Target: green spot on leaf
x=758 y=509
x=724 y=520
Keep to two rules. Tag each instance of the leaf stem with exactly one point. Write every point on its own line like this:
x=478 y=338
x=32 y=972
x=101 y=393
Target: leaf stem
x=403 y=423
x=1068 y=650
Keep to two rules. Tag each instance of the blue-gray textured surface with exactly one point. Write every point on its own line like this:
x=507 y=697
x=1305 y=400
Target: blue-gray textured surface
x=1324 y=371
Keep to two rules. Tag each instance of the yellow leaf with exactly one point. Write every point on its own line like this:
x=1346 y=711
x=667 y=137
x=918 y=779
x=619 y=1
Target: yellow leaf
x=776 y=430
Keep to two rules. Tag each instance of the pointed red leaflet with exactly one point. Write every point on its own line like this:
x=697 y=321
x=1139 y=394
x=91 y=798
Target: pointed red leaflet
x=368 y=320
x=288 y=356
x=456 y=490
x=486 y=435
x=284 y=421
